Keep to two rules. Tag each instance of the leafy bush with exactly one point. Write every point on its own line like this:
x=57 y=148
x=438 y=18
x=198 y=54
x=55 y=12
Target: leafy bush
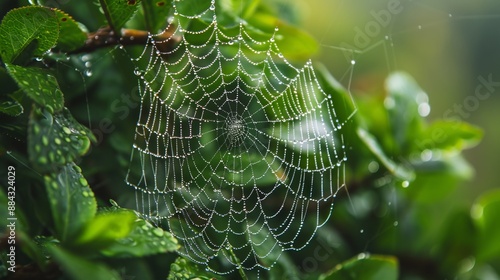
x=69 y=104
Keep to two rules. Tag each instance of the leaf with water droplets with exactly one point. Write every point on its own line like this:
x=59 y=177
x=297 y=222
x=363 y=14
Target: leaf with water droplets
x=118 y=12
x=365 y=267
x=55 y=140
x=143 y=240
x=40 y=85
x=27 y=32
x=402 y=102
x=183 y=269
x=71 y=36
x=71 y=201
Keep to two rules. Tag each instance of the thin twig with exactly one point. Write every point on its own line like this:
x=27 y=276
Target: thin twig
x=106 y=37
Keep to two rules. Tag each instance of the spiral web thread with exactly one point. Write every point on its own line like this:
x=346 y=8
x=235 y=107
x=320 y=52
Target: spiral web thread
x=237 y=150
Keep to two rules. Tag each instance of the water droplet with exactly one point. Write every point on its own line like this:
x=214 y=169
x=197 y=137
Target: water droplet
x=373 y=166
x=424 y=109
x=353 y=62
x=137 y=72
x=276 y=29
x=212 y=7
x=396 y=223
x=88 y=73
x=426 y=155
x=272 y=39
x=405 y=184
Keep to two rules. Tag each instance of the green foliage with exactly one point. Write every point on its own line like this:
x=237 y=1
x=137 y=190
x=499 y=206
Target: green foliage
x=79 y=268
x=63 y=220
x=118 y=12
x=143 y=240
x=485 y=215
x=71 y=200
x=183 y=270
x=27 y=32
x=40 y=85
x=56 y=140
x=365 y=267
x=71 y=36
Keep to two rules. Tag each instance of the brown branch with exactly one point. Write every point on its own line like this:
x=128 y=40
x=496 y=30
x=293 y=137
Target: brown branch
x=106 y=37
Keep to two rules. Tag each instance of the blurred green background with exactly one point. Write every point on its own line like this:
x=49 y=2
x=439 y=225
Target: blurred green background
x=444 y=45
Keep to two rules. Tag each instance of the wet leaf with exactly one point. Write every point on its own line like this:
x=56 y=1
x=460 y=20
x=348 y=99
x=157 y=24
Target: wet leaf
x=55 y=140
x=27 y=32
x=71 y=201
x=71 y=36
x=181 y=269
x=40 y=85
x=143 y=240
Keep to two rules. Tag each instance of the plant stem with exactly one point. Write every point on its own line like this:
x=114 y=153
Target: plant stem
x=237 y=261
x=106 y=37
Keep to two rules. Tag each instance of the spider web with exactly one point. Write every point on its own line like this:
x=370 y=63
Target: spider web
x=239 y=151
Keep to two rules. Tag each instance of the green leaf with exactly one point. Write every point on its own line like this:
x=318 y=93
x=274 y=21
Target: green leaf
x=55 y=140
x=79 y=268
x=402 y=104
x=27 y=32
x=435 y=179
x=345 y=107
x=156 y=14
x=398 y=170
x=293 y=43
x=486 y=216
x=181 y=269
x=10 y=104
x=366 y=268
x=449 y=136
x=242 y=9
x=71 y=36
x=143 y=240
x=71 y=201
x=118 y=12
x=40 y=85
x=106 y=228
